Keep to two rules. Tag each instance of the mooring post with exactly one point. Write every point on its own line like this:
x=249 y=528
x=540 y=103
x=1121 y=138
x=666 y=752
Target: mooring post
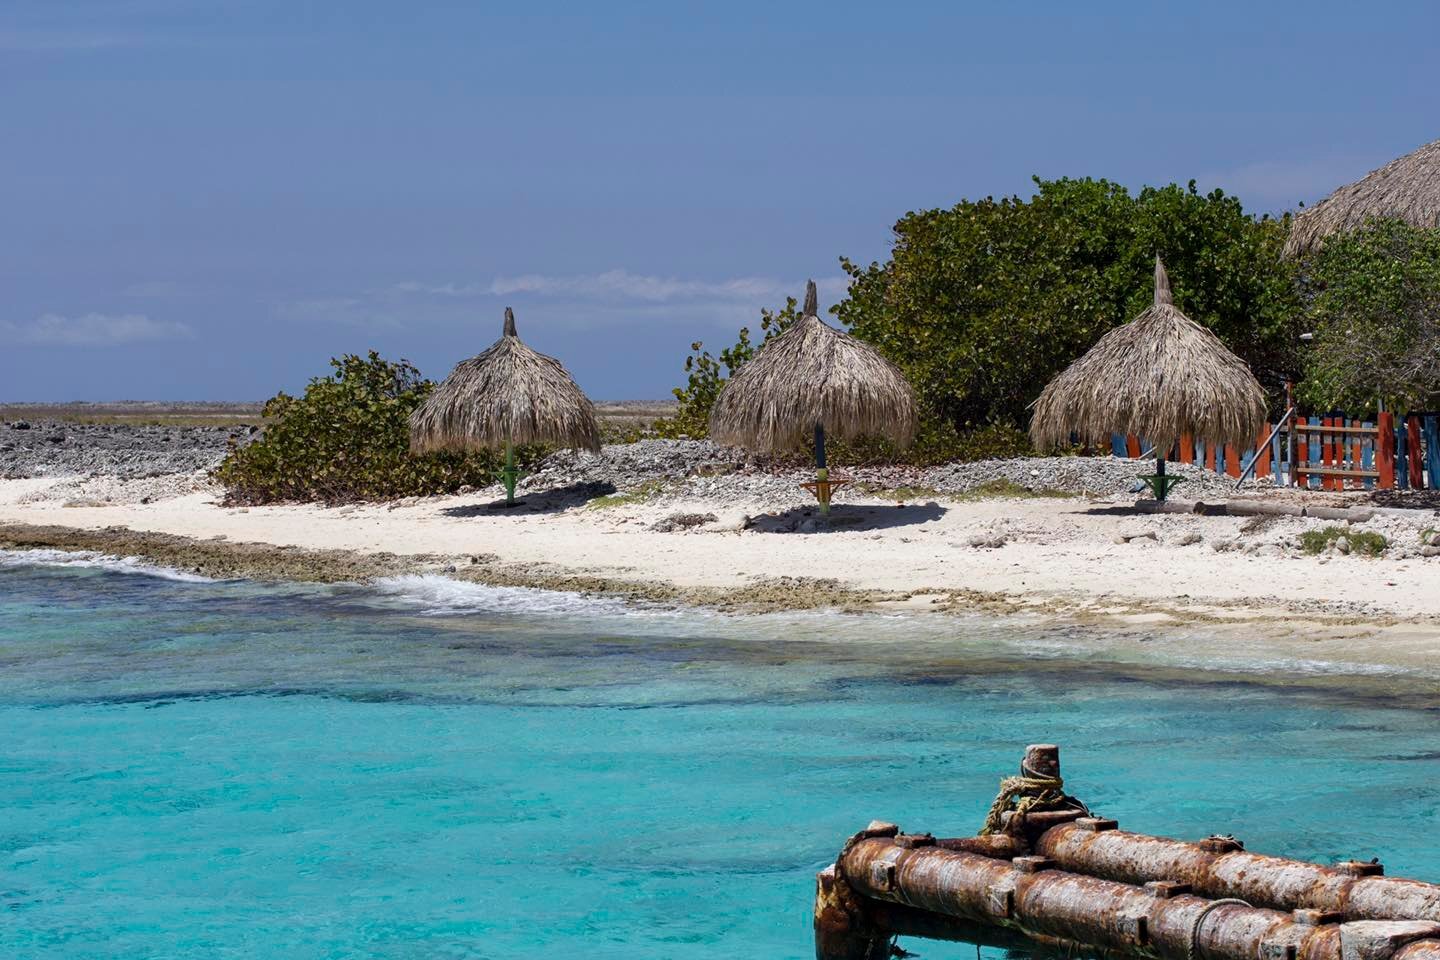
x=1042 y=760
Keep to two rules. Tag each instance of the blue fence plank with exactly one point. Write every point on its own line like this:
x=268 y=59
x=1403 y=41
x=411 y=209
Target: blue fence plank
x=1313 y=452
x=1430 y=427
x=1276 y=460
x=1367 y=454
x=1402 y=467
x=1117 y=445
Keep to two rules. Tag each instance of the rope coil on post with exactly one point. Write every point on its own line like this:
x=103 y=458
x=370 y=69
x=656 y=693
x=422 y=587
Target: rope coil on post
x=1033 y=789
x=1022 y=794
x=1190 y=942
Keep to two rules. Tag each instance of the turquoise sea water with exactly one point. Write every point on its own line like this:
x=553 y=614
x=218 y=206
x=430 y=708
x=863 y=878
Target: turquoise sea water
x=428 y=769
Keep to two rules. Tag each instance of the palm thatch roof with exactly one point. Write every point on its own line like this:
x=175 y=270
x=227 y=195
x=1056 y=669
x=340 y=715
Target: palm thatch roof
x=813 y=374
x=1159 y=376
x=1407 y=188
x=507 y=394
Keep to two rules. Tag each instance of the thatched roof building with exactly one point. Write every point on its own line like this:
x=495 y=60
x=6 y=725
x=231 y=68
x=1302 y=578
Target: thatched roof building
x=508 y=394
x=1407 y=188
x=813 y=375
x=1159 y=376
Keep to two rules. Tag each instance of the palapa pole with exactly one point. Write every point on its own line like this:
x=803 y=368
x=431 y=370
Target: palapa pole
x=509 y=475
x=822 y=473
x=1162 y=297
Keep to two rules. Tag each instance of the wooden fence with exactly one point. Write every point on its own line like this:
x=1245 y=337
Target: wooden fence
x=1323 y=452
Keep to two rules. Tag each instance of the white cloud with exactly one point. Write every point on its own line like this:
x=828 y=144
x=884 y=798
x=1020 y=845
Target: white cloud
x=93 y=330
x=1280 y=185
x=613 y=298
x=364 y=312
x=621 y=286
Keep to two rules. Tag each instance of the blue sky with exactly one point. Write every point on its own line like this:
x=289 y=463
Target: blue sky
x=207 y=200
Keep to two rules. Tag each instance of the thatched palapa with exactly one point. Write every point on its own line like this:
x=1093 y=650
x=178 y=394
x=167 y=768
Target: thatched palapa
x=1159 y=376
x=1407 y=188
x=507 y=395
x=810 y=376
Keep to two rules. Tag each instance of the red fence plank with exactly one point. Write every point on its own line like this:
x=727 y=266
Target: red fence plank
x=1187 y=448
x=1385 y=451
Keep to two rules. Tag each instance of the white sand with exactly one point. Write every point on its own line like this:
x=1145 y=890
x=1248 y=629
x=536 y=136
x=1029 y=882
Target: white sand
x=1185 y=602
x=1058 y=553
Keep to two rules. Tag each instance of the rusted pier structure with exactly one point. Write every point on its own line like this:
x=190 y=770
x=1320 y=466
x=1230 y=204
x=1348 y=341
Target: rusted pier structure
x=1046 y=874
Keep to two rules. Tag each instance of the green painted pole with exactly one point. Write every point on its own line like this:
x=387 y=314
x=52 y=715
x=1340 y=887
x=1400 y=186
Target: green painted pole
x=510 y=474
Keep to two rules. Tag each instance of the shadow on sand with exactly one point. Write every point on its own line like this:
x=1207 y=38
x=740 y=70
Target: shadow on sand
x=536 y=501
x=846 y=517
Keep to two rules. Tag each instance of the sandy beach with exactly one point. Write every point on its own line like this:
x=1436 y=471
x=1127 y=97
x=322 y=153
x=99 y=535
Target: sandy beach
x=1078 y=559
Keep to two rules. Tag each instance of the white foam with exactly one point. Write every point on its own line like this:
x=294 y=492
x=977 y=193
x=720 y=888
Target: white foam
x=86 y=559
x=435 y=594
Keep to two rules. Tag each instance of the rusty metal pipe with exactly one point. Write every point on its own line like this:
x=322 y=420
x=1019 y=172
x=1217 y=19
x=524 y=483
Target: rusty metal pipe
x=1355 y=890
x=1154 y=922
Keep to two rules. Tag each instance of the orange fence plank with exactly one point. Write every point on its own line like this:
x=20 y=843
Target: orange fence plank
x=1187 y=448
x=1262 y=452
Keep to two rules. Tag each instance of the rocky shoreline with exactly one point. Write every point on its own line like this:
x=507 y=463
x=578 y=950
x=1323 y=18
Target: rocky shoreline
x=59 y=448
x=224 y=560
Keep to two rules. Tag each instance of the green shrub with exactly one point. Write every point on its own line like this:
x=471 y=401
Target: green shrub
x=348 y=438
x=984 y=303
x=1374 y=305
x=1367 y=543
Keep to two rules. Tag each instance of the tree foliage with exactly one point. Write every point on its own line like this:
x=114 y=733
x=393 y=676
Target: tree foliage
x=983 y=303
x=348 y=438
x=1374 y=302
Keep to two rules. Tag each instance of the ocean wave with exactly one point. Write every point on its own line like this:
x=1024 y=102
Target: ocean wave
x=89 y=560
x=439 y=595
